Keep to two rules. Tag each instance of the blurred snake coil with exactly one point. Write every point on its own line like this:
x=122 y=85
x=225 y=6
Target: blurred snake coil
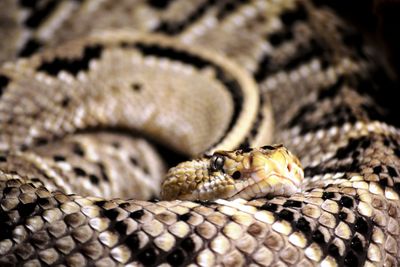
x=98 y=99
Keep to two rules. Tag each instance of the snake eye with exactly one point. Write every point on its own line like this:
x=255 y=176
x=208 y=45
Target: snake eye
x=217 y=162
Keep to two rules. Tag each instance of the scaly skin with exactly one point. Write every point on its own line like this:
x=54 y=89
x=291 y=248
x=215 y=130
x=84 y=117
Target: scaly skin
x=68 y=114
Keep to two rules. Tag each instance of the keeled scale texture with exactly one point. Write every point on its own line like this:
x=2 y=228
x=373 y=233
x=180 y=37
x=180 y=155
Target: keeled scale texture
x=323 y=82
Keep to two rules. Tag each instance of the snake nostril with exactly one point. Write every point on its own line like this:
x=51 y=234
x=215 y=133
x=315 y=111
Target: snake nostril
x=236 y=175
x=289 y=167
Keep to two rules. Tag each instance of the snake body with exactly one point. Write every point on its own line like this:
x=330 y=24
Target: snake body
x=76 y=175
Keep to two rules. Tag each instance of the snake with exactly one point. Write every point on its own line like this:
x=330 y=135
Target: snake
x=99 y=98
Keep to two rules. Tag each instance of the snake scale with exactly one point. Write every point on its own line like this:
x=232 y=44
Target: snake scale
x=79 y=175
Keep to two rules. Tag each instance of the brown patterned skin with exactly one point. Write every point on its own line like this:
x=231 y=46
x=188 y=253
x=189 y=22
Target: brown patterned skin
x=326 y=89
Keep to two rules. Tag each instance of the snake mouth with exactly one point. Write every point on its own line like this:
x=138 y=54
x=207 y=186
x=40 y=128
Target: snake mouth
x=273 y=185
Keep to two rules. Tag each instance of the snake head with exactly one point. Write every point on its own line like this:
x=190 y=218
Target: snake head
x=249 y=173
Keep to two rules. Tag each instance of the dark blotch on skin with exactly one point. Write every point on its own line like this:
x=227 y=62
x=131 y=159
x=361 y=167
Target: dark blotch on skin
x=10 y=190
x=328 y=195
x=184 y=217
x=397 y=152
x=303 y=225
x=116 y=145
x=4 y=80
x=4 y=216
x=377 y=169
x=347 y=151
x=269 y=207
x=173 y=54
x=356 y=244
x=100 y=203
x=346 y=202
x=72 y=66
x=148 y=256
x=28 y=3
x=318 y=237
x=176 y=27
x=65 y=102
x=280 y=37
x=133 y=242
x=286 y=215
x=361 y=226
x=227 y=9
x=111 y=214
x=43 y=201
x=94 y=179
x=333 y=250
x=383 y=182
x=307 y=53
x=351 y=259
x=5 y=231
x=26 y=209
x=137 y=214
x=187 y=244
x=103 y=171
x=159 y=4
x=77 y=149
x=176 y=258
x=290 y=17
x=137 y=87
x=392 y=171
x=292 y=204
x=133 y=161
x=333 y=90
x=342 y=215
x=41 y=141
x=79 y=172
x=30 y=47
x=121 y=227
x=263 y=68
x=39 y=14
x=58 y=158
x=397 y=187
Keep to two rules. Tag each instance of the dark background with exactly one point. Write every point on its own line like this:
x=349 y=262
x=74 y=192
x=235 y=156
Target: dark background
x=380 y=21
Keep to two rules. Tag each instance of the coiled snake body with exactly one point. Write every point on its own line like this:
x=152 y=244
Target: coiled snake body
x=74 y=165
